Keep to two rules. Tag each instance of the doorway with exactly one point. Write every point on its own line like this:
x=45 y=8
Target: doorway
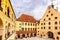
x=50 y=35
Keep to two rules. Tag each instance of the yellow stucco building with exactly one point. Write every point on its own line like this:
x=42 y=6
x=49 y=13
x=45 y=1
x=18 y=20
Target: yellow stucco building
x=7 y=21
x=49 y=26
x=26 y=26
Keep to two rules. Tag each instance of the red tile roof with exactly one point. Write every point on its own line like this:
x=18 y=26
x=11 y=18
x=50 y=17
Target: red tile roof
x=26 y=18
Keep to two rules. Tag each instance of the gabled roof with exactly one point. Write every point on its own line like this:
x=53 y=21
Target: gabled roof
x=26 y=18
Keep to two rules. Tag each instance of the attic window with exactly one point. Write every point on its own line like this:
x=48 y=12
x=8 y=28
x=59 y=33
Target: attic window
x=49 y=11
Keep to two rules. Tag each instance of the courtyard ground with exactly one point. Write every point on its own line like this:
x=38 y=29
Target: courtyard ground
x=35 y=38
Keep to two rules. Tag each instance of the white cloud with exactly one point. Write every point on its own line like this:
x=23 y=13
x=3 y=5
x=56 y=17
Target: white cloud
x=39 y=11
x=26 y=1
x=35 y=8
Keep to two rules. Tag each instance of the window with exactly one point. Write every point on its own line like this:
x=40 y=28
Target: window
x=38 y=34
x=49 y=11
x=33 y=28
x=38 y=31
x=22 y=29
x=49 y=18
x=19 y=24
x=55 y=17
x=55 y=27
x=57 y=38
x=49 y=23
x=0 y=3
x=25 y=23
x=44 y=19
x=55 y=22
x=44 y=23
x=59 y=33
x=35 y=24
x=41 y=23
x=41 y=27
x=8 y=12
x=28 y=23
x=44 y=27
x=51 y=14
x=47 y=15
x=0 y=6
x=49 y=27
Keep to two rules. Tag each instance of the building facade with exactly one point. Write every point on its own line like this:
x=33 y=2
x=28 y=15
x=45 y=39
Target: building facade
x=49 y=26
x=26 y=28
x=7 y=21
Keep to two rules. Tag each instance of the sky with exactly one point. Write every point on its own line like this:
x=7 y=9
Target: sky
x=35 y=8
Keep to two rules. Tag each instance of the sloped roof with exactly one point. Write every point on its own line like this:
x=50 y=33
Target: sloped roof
x=26 y=18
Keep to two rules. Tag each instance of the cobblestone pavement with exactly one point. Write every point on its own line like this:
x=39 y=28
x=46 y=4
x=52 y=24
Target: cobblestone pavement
x=35 y=38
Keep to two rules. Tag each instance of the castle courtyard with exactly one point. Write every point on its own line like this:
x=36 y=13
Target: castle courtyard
x=35 y=38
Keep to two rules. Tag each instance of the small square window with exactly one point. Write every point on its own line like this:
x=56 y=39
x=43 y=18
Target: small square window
x=38 y=31
x=55 y=17
x=44 y=27
x=47 y=15
x=49 y=27
x=59 y=33
x=49 y=18
x=41 y=27
x=44 y=23
x=41 y=23
x=55 y=27
x=51 y=14
x=44 y=19
x=55 y=22
x=49 y=11
x=49 y=23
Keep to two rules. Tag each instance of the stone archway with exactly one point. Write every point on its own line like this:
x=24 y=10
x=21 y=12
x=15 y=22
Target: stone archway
x=1 y=29
x=50 y=34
